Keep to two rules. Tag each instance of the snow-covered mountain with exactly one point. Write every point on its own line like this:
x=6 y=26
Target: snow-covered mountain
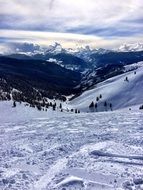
x=35 y=79
x=58 y=148
x=86 y=52
x=121 y=91
x=131 y=47
x=57 y=71
x=55 y=49
x=81 y=58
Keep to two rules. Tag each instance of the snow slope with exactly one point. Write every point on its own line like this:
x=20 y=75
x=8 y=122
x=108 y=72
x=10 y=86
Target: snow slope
x=61 y=151
x=96 y=151
x=117 y=91
x=22 y=112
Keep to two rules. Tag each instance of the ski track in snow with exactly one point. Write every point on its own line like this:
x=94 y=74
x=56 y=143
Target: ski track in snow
x=50 y=174
x=69 y=152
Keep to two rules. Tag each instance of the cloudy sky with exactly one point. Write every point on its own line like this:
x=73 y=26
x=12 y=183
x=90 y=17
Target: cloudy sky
x=98 y=23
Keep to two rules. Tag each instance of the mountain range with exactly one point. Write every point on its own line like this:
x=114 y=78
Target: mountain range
x=58 y=73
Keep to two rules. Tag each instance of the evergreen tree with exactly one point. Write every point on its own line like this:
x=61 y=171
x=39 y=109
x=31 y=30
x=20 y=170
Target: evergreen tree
x=54 y=107
x=111 y=106
x=47 y=105
x=43 y=104
x=141 y=107
x=100 y=96
x=14 y=104
x=126 y=79
x=60 y=106
x=39 y=107
x=105 y=105
x=91 y=106
x=97 y=99
x=96 y=106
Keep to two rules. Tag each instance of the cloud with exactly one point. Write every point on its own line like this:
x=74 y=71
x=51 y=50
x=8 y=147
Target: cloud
x=51 y=3
x=13 y=47
x=11 y=37
x=69 y=14
x=27 y=47
x=102 y=19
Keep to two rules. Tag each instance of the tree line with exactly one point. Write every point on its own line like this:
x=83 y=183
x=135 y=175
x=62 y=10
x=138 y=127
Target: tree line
x=93 y=106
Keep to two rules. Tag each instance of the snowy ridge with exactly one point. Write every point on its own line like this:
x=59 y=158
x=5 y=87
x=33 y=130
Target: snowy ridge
x=55 y=48
x=86 y=51
x=131 y=47
x=133 y=66
x=117 y=90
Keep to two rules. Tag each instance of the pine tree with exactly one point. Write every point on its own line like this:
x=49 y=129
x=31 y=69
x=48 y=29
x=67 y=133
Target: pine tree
x=141 y=107
x=97 y=99
x=54 y=107
x=47 y=105
x=91 y=105
x=105 y=105
x=96 y=106
x=14 y=104
x=126 y=79
x=43 y=104
x=60 y=106
x=111 y=106
x=50 y=104
x=39 y=107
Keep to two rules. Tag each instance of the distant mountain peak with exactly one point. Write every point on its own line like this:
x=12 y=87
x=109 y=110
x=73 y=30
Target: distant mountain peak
x=55 y=48
x=131 y=47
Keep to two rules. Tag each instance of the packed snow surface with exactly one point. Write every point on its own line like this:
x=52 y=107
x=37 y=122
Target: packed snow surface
x=92 y=151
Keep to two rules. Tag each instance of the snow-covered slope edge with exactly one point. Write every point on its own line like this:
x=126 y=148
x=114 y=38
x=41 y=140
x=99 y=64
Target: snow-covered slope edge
x=121 y=91
x=22 y=112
